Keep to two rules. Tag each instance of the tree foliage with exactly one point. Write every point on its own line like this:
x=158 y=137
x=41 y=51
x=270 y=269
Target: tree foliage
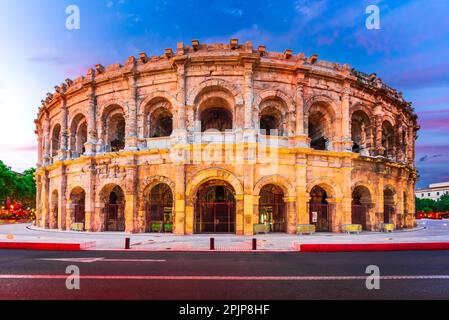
x=17 y=187
x=429 y=205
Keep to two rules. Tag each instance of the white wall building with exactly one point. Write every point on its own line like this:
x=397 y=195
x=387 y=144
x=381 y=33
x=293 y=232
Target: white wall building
x=434 y=192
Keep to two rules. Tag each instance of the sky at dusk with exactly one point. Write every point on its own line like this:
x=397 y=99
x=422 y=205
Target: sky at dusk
x=410 y=52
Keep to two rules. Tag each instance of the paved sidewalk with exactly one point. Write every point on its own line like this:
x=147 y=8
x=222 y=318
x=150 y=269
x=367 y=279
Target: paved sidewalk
x=428 y=231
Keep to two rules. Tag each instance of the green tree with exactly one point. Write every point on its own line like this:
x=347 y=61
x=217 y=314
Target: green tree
x=442 y=204
x=17 y=187
x=426 y=205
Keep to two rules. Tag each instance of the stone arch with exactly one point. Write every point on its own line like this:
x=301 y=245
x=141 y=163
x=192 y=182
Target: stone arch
x=215 y=83
x=112 y=201
x=55 y=139
x=109 y=103
x=213 y=174
x=147 y=184
x=362 y=107
x=322 y=120
x=367 y=186
x=77 y=205
x=157 y=115
x=113 y=127
x=156 y=95
x=270 y=94
x=78 y=134
x=361 y=130
x=277 y=180
x=332 y=189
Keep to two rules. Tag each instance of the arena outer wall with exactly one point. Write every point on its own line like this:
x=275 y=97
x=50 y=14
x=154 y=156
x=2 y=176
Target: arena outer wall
x=363 y=133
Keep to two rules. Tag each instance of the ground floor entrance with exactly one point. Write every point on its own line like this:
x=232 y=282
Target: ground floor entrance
x=215 y=210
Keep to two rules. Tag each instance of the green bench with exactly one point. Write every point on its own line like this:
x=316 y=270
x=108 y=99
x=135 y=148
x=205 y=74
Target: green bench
x=387 y=227
x=261 y=228
x=352 y=228
x=305 y=229
x=77 y=227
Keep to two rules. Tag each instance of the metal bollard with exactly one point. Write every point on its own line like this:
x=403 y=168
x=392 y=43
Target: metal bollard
x=254 y=244
x=212 y=243
x=127 y=243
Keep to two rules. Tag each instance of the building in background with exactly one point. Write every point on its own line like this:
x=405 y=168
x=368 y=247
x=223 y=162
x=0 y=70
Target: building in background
x=434 y=192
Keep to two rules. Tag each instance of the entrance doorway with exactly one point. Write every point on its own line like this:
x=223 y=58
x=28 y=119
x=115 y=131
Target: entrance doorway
x=361 y=199
x=389 y=210
x=272 y=208
x=115 y=210
x=319 y=209
x=159 y=209
x=215 y=208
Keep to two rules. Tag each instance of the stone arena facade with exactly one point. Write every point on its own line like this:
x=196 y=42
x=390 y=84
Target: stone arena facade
x=225 y=138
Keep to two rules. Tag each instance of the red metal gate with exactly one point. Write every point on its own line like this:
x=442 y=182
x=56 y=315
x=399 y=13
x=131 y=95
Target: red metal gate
x=115 y=217
x=359 y=215
x=319 y=216
x=389 y=213
x=79 y=213
x=215 y=217
x=276 y=216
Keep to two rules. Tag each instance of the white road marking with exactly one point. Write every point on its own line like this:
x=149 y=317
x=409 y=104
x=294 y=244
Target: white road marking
x=92 y=260
x=226 y=278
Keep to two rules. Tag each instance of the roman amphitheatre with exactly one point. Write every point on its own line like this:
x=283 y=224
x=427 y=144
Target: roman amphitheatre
x=225 y=138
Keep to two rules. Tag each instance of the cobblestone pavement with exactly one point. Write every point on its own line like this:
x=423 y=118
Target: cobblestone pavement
x=427 y=231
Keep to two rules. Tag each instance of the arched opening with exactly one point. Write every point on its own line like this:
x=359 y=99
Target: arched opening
x=271 y=122
x=56 y=140
x=216 y=118
x=116 y=132
x=159 y=209
x=360 y=125
x=114 y=208
x=215 y=208
x=361 y=200
x=389 y=209
x=388 y=140
x=78 y=136
x=160 y=123
x=272 y=208
x=319 y=210
x=319 y=127
x=78 y=203
x=54 y=210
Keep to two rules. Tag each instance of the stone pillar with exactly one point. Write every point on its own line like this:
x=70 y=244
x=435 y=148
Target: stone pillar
x=301 y=134
x=190 y=216
x=45 y=201
x=181 y=99
x=47 y=144
x=346 y=119
x=255 y=201
x=239 y=214
x=38 y=179
x=180 y=227
x=378 y=131
x=89 y=206
x=91 y=121
x=130 y=197
x=302 y=197
x=64 y=127
x=249 y=122
x=380 y=202
x=248 y=198
x=69 y=214
x=40 y=145
x=62 y=205
x=291 y=214
x=131 y=123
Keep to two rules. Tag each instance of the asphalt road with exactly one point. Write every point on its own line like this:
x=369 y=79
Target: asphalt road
x=223 y=275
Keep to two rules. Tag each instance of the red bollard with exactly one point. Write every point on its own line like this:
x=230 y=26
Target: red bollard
x=127 y=243
x=212 y=243
x=254 y=244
